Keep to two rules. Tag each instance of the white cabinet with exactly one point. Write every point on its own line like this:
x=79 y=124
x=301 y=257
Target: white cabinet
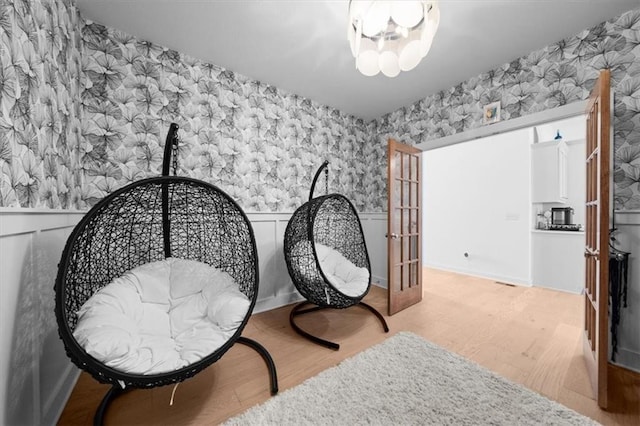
x=549 y=172
x=558 y=260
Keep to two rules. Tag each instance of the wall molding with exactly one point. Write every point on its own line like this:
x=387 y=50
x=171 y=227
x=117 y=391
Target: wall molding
x=31 y=242
x=25 y=236
x=628 y=359
x=493 y=277
x=54 y=406
x=559 y=113
x=627 y=217
x=277 y=301
x=22 y=221
x=276 y=287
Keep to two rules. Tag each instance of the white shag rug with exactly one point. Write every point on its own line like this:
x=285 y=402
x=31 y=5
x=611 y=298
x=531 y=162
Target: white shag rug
x=407 y=380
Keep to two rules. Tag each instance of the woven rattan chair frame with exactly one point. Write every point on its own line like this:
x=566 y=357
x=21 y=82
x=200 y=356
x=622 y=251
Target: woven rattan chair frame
x=333 y=221
x=146 y=221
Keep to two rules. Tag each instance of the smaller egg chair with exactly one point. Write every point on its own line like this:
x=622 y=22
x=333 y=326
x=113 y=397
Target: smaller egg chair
x=157 y=282
x=327 y=258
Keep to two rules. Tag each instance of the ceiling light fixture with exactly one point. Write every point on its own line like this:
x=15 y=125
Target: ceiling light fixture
x=391 y=36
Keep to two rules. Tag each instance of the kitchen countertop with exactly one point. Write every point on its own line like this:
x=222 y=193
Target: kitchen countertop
x=548 y=231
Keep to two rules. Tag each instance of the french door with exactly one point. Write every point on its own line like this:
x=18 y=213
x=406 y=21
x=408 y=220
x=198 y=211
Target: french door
x=404 y=271
x=596 y=292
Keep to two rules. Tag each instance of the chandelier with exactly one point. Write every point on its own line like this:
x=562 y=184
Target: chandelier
x=391 y=36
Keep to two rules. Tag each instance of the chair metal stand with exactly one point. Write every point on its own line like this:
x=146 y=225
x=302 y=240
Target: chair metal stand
x=267 y=359
x=113 y=393
x=298 y=310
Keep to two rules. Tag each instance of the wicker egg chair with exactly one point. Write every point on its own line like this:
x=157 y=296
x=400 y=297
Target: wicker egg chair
x=146 y=221
x=326 y=224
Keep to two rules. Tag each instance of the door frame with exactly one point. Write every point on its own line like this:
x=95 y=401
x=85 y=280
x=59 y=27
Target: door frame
x=566 y=111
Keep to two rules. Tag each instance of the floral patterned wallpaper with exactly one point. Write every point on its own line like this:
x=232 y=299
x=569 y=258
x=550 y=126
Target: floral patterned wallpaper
x=260 y=145
x=557 y=75
x=84 y=109
x=41 y=140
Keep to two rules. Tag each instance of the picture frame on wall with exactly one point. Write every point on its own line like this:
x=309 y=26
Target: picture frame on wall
x=491 y=113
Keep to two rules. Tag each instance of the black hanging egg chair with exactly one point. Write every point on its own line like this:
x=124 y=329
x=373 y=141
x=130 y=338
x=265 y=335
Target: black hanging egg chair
x=170 y=251
x=327 y=257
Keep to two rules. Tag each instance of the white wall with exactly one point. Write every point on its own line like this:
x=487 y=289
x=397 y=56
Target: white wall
x=36 y=376
x=476 y=201
x=374 y=226
x=276 y=288
x=570 y=129
x=628 y=224
x=36 y=373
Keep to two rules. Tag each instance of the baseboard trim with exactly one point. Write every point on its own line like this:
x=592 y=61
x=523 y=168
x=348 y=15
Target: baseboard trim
x=558 y=289
x=52 y=413
x=500 y=278
x=627 y=359
x=627 y=217
x=379 y=281
x=273 y=302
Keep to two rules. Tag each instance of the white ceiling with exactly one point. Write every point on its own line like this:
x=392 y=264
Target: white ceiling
x=301 y=46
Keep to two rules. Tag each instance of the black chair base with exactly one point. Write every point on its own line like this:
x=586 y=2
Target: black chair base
x=115 y=391
x=273 y=375
x=298 y=310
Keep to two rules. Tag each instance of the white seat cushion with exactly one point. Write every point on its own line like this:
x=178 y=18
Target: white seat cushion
x=346 y=277
x=161 y=316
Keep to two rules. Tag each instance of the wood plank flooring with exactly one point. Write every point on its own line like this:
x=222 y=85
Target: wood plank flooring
x=529 y=335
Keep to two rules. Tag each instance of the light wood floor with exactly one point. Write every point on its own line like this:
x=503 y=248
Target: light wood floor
x=529 y=335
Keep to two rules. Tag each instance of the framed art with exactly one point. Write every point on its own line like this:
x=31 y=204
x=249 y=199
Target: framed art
x=491 y=113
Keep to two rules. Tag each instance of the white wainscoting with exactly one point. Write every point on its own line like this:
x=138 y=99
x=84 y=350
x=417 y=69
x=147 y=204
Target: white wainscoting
x=628 y=224
x=276 y=288
x=37 y=376
x=374 y=226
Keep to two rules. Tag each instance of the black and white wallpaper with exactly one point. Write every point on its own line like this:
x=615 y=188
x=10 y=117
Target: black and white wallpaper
x=260 y=145
x=84 y=109
x=559 y=74
x=41 y=141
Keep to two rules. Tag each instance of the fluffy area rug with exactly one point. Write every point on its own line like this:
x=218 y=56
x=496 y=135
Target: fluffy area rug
x=407 y=380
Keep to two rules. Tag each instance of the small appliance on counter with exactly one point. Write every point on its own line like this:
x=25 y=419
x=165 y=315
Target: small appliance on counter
x=561 y=216
x=562 y=220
